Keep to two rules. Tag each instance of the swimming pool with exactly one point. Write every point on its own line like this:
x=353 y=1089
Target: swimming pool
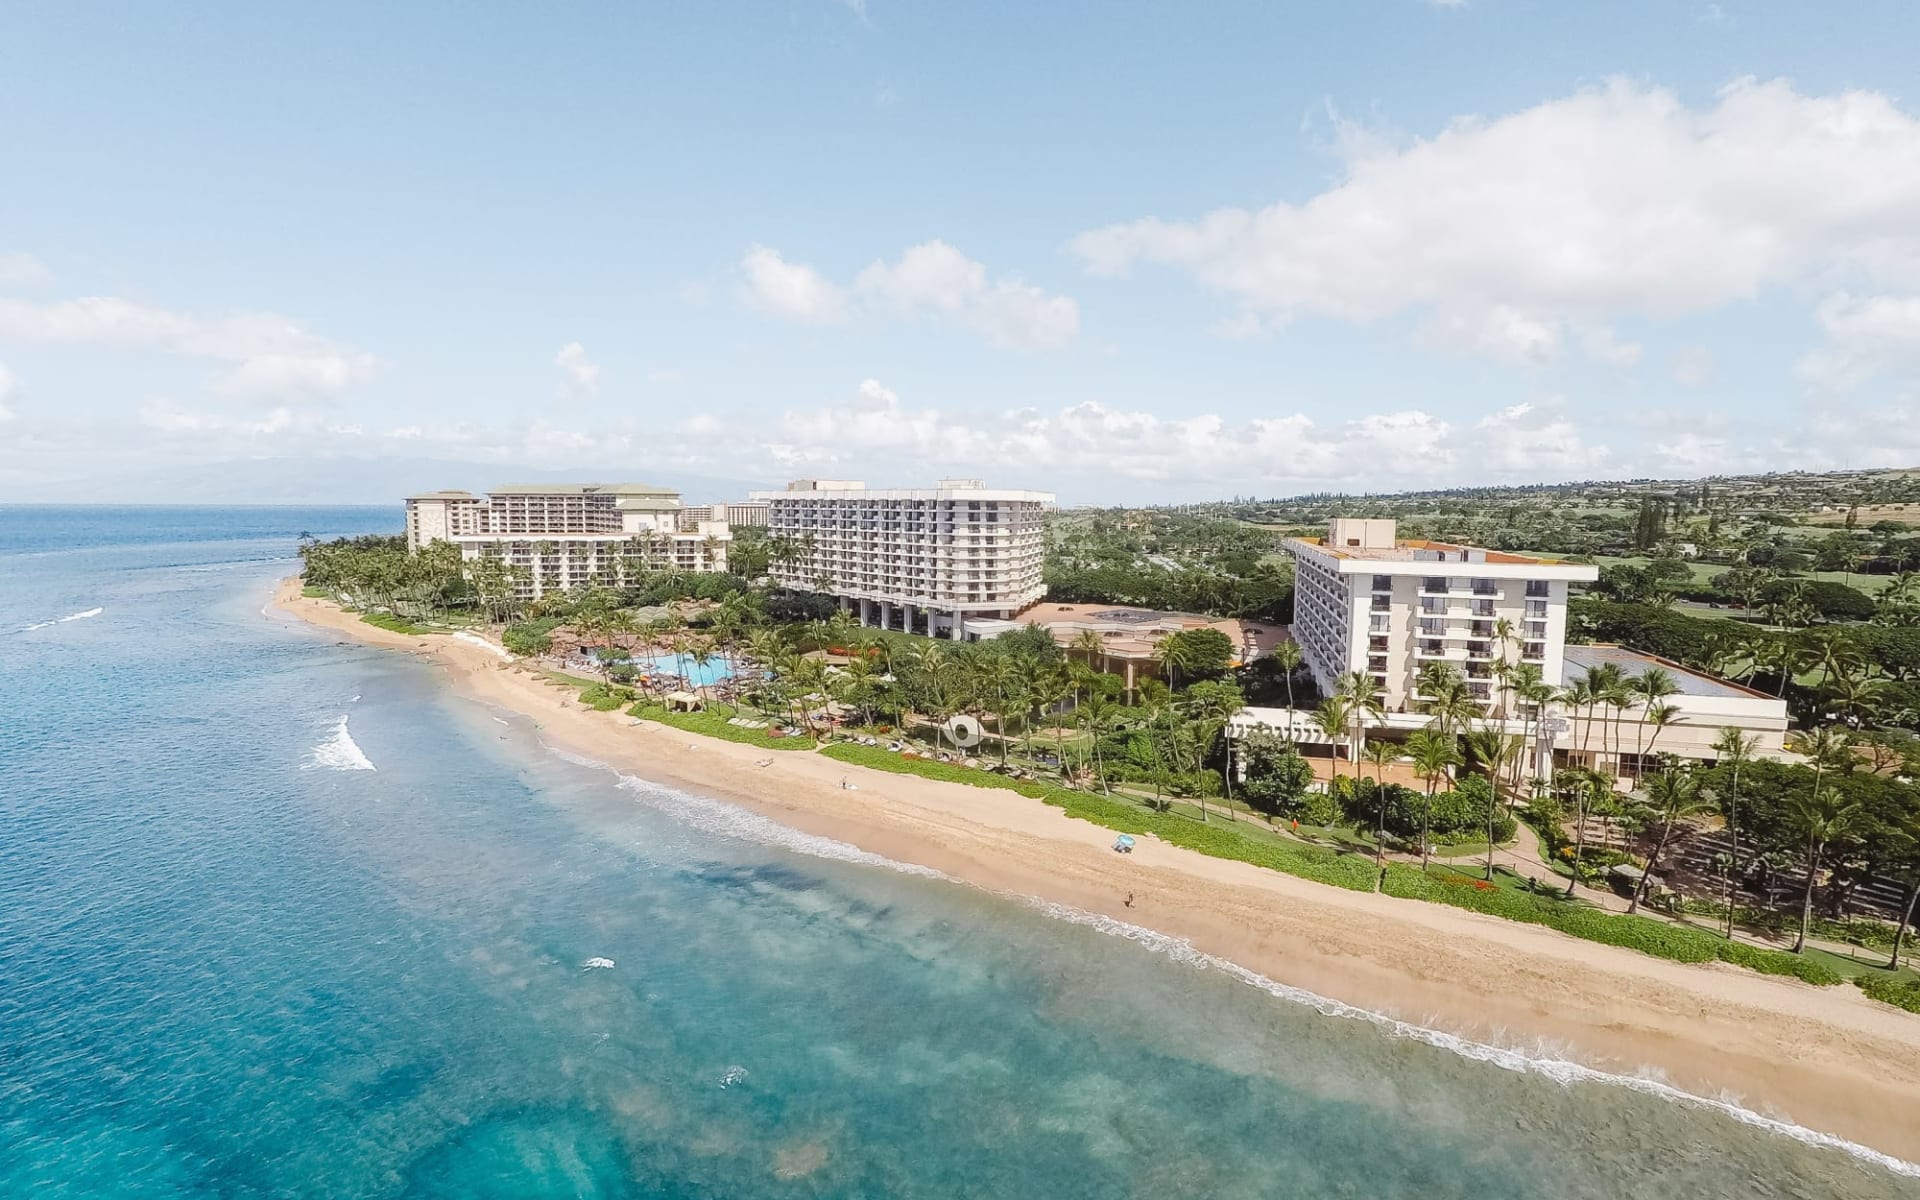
x=716 y=669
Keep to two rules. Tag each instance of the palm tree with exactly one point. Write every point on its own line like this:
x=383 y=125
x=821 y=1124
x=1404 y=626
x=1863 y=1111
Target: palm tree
x=1002 y=678
x=1651 y=687
x=1174 y=654
x=1095 y=716
x=1447 y=698
x=1379 y=753
x=1659 y=715
x=1591 y=790
x=1576 y=696
x=1434 y=754
x=1357 y=689
x=1824 y=816
x=1734 y=749
x=1906 y=834
x=1287 y=656
x=1090 y=644
x=1331 y=718
x=1492 y=750
x=1676 y=794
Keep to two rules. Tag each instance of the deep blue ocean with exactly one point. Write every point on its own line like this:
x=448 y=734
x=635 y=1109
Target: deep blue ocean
x=281 y=917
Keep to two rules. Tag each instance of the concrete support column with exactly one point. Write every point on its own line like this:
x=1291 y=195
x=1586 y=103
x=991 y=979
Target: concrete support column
x=959 y=629
x=886 y=614
x=906 y=618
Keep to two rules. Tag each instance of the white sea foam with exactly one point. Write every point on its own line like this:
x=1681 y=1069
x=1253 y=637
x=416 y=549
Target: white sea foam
x=596 y=963
x=340 y=752
x=79 y=616
x=1550 y=1066
x=729 y=820
x=474 y=639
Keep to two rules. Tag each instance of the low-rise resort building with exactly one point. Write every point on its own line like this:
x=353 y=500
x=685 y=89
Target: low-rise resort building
x=564 y=536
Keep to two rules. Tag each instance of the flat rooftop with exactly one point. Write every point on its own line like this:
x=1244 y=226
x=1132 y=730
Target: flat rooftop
x=1635 y=663
x=1415 y=550
x=581 y=489
x=1131 y=632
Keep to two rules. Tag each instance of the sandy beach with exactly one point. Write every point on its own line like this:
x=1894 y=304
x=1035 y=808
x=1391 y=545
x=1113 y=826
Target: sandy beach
x=1825 y=1058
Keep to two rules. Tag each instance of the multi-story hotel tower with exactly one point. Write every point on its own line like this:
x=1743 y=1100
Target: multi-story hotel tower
x=923 y=561
x=570 y=535
x=1365 y=601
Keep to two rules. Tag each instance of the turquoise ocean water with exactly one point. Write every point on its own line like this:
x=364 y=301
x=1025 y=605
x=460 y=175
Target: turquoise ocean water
x=279 y=917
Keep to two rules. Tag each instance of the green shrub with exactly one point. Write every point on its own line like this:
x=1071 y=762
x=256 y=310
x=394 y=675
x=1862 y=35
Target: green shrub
x=882 y=759
x=530 y=637
x=394 y=624
x=713 y=724
x=601 y=698
x=1658 y=938
x=1902 y=993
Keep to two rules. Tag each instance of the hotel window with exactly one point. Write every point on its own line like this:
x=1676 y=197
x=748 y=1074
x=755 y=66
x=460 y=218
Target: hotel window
x=1483 y=608
x=1536 y=608
x=1433 y=583
x=1534 y=651
x=1383 y=583
x=1485 y=587
x=1537 y=587
x=1432 y=604
x=1432 y=627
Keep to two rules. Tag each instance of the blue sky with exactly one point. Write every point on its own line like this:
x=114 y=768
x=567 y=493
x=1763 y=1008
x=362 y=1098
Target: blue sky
x=1121 y=251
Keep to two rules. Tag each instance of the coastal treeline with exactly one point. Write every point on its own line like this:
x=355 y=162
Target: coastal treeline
x=1728 y=862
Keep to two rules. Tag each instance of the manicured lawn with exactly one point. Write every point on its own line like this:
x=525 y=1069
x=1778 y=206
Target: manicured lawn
x=714 y=724
x=393 y=624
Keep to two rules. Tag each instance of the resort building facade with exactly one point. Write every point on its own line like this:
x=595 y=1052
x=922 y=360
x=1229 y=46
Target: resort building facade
x=918 y=560
x=563 y=536
x=1365 y=601
x=750 y=513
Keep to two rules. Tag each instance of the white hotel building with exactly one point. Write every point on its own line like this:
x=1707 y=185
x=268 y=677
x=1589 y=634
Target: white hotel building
x=918 y=560
x=570 y=535
x=1365 y=601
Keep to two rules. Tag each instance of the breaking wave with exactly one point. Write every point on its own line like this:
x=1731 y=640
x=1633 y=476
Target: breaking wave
x=79 y=616
x=340 y=752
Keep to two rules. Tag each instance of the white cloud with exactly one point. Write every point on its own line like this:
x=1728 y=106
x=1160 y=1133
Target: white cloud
x=1693 y=366
x=1615 y=200
x=1500 y=331
x=20 y=272
x=582 y=372
x=8 y=385
x=791 y=290
x=270 y=356
x=875 y=432
x=1602 y=347
x=932 y=279
x=1866 y=335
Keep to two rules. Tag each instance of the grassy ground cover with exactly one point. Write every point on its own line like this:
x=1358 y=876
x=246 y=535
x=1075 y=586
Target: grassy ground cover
x=1902 y=993
x=394 y=624
x=1506 y=898
x=714 y=724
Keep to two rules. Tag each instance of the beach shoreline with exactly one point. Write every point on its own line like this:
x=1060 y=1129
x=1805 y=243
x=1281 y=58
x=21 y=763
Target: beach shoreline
x=1828 y=1059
